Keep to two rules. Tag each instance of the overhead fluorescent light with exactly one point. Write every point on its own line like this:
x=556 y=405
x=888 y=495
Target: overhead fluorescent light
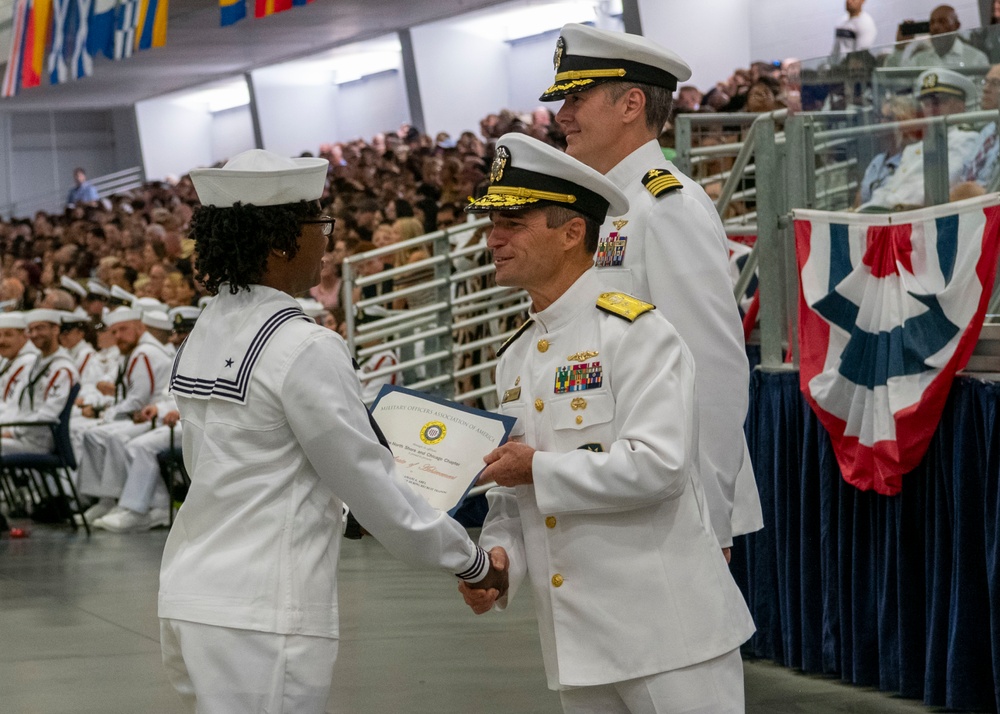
x=218 y=97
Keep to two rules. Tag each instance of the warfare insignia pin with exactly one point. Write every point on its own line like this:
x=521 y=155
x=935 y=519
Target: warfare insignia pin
x=500 y=162
x=582 y=356
x=578 y=377
x=620 y=223
x=560 y=51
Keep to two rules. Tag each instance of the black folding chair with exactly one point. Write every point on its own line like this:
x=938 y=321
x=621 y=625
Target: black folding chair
x=40 y=484
x=173 y=473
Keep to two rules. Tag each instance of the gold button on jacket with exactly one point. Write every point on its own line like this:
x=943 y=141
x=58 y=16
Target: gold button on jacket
x=550 y=522
x=543 y=345
x=557 y=580
x=539 y=405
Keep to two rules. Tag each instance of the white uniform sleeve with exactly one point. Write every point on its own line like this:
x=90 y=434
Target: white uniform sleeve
x=650 y=460
x=332 y=426
x=141 y=381
x=50 y=397
x=502 y=527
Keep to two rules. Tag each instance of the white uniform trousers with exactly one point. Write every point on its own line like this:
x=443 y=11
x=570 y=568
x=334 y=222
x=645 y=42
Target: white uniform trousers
x=221 y=670
x=144 y=488
x=101 y=459
x=712 y=687
x=24 y=446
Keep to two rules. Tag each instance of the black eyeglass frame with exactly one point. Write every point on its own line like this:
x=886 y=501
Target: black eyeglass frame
x=328 y=222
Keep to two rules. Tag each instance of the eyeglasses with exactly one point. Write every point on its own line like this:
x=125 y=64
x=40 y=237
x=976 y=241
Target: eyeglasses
x=327 y=222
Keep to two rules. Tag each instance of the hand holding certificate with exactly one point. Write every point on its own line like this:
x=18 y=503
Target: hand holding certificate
x=438 y=445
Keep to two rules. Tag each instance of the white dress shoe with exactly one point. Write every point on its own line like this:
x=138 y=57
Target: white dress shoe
x=126 y=521
x=98 y=510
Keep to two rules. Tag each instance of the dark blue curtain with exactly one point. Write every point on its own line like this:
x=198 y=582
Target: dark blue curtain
x=900 y=593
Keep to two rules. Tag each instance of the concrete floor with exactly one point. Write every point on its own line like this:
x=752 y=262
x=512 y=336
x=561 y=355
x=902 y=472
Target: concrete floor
x=78 y=633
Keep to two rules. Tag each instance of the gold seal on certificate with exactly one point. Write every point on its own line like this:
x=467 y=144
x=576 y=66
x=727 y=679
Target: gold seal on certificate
x=438 y=445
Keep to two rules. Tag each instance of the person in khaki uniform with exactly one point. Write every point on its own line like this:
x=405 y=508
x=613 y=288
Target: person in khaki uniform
x=600 y=505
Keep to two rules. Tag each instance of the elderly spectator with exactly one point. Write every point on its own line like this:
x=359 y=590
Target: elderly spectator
x=946 y=48
x=982 y=165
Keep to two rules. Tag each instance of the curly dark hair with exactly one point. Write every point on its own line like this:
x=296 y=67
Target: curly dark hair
x=232 y=244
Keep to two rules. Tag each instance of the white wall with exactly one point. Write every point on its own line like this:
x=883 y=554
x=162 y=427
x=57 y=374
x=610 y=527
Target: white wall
x=370 y=105
x=295 y=116
x=713 y=36
x=530 y=69
x=804 y=28
x=174 y=139
x=461 y=76
x=232 y=133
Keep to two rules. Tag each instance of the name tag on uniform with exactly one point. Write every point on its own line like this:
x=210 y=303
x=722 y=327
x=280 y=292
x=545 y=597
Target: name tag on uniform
x=511 y=394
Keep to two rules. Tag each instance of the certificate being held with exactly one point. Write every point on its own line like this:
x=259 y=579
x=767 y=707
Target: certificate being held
x=438 y=445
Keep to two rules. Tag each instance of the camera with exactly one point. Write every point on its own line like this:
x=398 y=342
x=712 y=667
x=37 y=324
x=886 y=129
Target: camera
x=910 y=29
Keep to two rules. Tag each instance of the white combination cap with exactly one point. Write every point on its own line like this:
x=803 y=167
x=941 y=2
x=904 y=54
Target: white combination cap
x=527 y=172
x=586 y=57
x=261 y=178
x=945 y=81
x=311 y=307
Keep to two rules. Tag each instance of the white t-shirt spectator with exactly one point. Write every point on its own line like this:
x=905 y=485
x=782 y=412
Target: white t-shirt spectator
x=854 y=34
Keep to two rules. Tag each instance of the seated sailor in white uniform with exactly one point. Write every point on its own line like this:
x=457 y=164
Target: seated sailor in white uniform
x=276 y=439
x=144 y=370
x=18 y=353
x=46 y=387
x=600 y=504
x=144 y=502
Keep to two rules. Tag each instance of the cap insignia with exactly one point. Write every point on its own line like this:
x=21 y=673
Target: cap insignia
x=623 y=305
x=500 y=162
x=560 y=51
x=660 y=181
x=930 y=81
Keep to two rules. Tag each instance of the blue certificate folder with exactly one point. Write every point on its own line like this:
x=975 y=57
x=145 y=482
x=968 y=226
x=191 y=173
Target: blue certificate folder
x=425 y=430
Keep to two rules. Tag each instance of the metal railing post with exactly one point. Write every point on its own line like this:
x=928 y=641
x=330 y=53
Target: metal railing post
x=682 y=143
x=772 y=312
x=936 y=163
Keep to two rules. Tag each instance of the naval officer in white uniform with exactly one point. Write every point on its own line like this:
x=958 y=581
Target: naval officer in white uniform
x=275 y=439
x=669 y=248
x=600 y=502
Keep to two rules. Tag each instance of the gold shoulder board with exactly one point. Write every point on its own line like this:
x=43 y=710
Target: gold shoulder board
x=660 y=181
x=623 y=305
x=512 y=338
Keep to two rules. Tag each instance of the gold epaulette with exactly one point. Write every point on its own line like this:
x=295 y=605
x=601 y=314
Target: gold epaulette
x=623 y=305
x=510 y=340
x=660 y=181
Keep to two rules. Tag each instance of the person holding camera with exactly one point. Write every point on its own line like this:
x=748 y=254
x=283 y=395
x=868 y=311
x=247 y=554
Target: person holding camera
x=946 y=48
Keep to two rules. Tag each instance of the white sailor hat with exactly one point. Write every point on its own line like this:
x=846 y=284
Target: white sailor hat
x=12 y=321
x=311 y=307
x=939 y=80
x=586 y=57
x=122 y=314
x=122 y=296
x=184 y=317
x=261 y=178
x=157 y=319
x=76 y=318
x=204 y=300
x=97 y=289
x=145 y=304
x=528 y=173
x=73 y=286
x=44 y=315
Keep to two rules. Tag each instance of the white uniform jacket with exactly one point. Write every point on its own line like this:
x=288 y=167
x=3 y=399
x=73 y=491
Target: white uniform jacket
x=628 y=578
x=43 y=397
x=13 y=377
x=671 y=251
x=87 y=364
x=275 y=437
x=141 y=376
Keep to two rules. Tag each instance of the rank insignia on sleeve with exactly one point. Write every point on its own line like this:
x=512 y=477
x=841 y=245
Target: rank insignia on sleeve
x=623 y=305
x=577 y=377
x=611 y=250
x=596 y=448
x=660 y=181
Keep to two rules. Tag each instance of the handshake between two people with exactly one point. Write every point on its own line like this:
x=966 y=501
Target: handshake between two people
x=483 y=595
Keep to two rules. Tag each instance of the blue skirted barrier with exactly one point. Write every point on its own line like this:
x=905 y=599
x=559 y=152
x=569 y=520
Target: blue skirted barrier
x=900 y=593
